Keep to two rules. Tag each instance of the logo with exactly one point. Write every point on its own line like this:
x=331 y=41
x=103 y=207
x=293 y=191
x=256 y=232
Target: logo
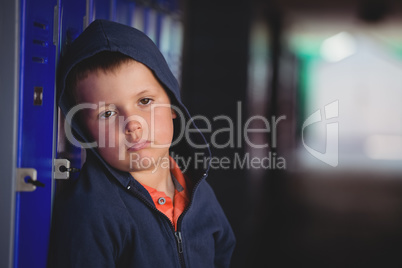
x=330 y=156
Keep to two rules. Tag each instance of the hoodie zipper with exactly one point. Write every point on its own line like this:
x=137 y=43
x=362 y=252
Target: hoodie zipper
x=177 y=234
x=180 y=247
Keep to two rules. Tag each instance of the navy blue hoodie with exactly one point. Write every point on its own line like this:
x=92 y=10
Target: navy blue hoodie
x=106 y=218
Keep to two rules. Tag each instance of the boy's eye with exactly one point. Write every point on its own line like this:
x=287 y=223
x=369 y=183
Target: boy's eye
x=145 y=101
x=107 y=114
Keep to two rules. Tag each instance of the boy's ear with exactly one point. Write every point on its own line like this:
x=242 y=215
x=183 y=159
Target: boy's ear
x=174 y=115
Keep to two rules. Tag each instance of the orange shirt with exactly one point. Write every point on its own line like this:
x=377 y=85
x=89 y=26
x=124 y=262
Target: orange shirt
x=172 y=209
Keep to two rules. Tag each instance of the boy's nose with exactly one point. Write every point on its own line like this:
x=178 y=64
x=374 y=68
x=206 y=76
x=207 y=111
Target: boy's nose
x=132 y=126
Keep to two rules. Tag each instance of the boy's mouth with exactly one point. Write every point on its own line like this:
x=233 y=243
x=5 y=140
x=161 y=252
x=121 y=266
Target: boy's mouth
x=139 y=145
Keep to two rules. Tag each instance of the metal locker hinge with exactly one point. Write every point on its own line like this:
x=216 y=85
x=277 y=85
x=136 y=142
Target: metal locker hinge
x=25 y=179
x=62 y=169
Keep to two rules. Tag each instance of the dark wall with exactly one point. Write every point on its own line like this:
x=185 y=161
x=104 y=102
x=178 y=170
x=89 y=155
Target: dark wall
x=214 y=80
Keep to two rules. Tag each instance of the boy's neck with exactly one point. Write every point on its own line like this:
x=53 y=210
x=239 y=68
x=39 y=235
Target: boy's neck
x=158 y=178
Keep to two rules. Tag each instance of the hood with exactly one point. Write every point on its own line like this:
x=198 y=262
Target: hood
x=102 y=35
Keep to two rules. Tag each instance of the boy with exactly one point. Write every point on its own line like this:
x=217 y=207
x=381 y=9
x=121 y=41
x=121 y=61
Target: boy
x=132 y=206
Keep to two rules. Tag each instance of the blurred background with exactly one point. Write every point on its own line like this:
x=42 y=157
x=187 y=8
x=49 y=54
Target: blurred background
x=327 y=74
x=293 y=58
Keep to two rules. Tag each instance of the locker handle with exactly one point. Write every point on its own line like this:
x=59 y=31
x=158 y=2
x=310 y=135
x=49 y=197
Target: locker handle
x=27 y=180
x=62 y=169
x=36 y=183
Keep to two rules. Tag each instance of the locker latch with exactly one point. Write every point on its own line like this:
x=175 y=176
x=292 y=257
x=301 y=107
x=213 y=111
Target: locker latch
x=62 y=169
x=27 y=180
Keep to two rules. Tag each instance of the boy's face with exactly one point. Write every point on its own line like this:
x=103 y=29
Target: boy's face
x=133 y=121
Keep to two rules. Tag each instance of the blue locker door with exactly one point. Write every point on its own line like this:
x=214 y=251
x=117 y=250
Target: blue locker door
x=73 y=19
x=35 y=131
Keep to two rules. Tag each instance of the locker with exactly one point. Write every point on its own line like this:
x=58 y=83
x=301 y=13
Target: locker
x=35 y=131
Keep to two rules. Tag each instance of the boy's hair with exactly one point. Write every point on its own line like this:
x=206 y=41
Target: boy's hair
x=105 y=61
